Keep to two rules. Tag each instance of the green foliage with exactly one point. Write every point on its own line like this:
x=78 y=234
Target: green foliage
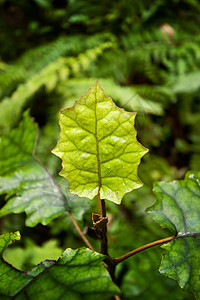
x=49 y=76
x=12 y=280
x=146 y=52
x=177 y=203
x=177 y=208
x=98 y=148
x=26 y=258
x=146 y=56
x=180 y=263
x=29 y=186
x=93 y=119
x=127 y=97
x=87 y=276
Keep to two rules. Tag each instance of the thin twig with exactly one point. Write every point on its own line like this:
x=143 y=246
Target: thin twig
x=147 y=246
x=65 y=204
x=80 y=232
x=62 y=195
x=117 y=297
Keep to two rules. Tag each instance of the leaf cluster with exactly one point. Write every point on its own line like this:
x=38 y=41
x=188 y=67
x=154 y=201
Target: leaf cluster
x=146 y=56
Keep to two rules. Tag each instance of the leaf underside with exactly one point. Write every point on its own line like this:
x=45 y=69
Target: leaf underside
x=178 y=209
x=28 y=186
x=78 y=274
x=98 y=147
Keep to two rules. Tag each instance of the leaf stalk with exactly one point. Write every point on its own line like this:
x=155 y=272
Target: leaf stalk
x=152 y=244
x=80 y=232
x=142 y=248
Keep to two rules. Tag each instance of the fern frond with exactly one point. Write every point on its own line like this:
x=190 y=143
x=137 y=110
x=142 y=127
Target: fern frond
x=34 y=60
x=49 y=77
x=128 y=97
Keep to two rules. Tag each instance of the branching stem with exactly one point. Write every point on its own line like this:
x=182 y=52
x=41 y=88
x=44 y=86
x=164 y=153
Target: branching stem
x=147 y=246
x=118 y=260
x=65 y=204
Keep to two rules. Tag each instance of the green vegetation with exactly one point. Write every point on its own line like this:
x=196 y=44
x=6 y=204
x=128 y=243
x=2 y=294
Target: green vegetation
x=146 y=56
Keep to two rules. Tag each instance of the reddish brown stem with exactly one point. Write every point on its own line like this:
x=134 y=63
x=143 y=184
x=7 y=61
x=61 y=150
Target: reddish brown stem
x=118 y=260
x=103 y=208
x=116 y=297
x=80 y=232
x=147 y=246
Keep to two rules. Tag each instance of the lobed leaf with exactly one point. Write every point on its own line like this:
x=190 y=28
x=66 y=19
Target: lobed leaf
x=29 y=187
x=128 y=97
x=98 y=148
x=78 y=274
x=178 y=209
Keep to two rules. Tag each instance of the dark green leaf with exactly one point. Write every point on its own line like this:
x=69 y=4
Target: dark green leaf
x=78 y=274
x=29 y=187
x=11 y=280
x=178 y=208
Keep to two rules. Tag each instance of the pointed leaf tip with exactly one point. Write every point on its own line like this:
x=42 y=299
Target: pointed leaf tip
x=98 y=147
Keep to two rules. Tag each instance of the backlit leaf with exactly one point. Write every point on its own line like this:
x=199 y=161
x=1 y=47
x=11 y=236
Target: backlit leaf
x=178 y=208
x=98 y=148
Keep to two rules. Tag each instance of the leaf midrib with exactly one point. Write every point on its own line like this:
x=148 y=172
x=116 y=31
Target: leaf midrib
x=97 y=146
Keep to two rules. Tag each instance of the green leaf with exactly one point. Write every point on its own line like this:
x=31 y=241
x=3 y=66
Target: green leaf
x=78 y=274
x=11 y=280
x=128 y=97
x=28 y=256
x=50 y=76
x=178 y=209
x=98 y=148
x=29 y=187
x=189 y=83
x=181 y=262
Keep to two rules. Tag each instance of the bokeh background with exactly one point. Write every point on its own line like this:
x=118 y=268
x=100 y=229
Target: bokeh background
x=146 y=56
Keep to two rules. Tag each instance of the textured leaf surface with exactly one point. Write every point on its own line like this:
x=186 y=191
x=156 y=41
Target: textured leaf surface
x=11 y=280
x=178 y=208
x=128 y=97
x=78 y=274
x=28 y=185
x=98 y=148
